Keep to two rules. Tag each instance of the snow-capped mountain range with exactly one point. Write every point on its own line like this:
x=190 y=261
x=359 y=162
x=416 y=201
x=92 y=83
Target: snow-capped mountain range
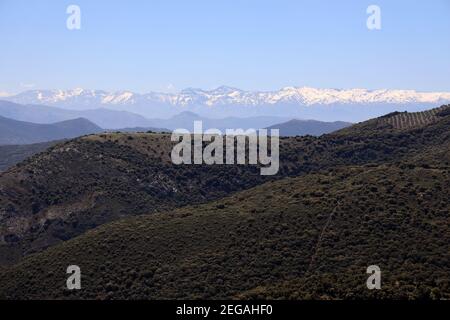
x=229 y=96
x=227 y=101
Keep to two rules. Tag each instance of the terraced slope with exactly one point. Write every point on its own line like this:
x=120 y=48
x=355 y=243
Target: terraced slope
x=407 y=120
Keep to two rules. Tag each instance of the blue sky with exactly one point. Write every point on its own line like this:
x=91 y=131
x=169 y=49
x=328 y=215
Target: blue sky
x=170 y=45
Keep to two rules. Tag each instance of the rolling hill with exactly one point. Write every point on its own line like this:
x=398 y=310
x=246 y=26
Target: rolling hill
x=118 y=120
x=128 y=122
x=20 y=132
x=104 y=118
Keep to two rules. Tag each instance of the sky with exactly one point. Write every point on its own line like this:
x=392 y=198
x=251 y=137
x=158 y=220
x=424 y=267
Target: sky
x=169 y=45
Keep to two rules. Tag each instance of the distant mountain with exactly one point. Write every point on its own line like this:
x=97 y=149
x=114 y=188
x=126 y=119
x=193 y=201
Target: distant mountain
x=308 y=127
x=185 y=120
x=105 y=118
x=20 y=132
x=127 y=121
x=305 y=102
x=227 y=96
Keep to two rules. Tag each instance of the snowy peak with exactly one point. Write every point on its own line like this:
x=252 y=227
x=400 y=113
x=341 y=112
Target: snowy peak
x=310 y=96
x=223 y=96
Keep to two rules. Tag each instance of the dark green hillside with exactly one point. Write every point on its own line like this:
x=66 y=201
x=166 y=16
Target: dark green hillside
x=309 y=237
x=80 y=184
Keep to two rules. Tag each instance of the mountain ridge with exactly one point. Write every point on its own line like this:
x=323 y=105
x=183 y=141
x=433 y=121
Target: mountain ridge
x=43 y=114
x=351 y=105
x=21 y=132
x=228 y=95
